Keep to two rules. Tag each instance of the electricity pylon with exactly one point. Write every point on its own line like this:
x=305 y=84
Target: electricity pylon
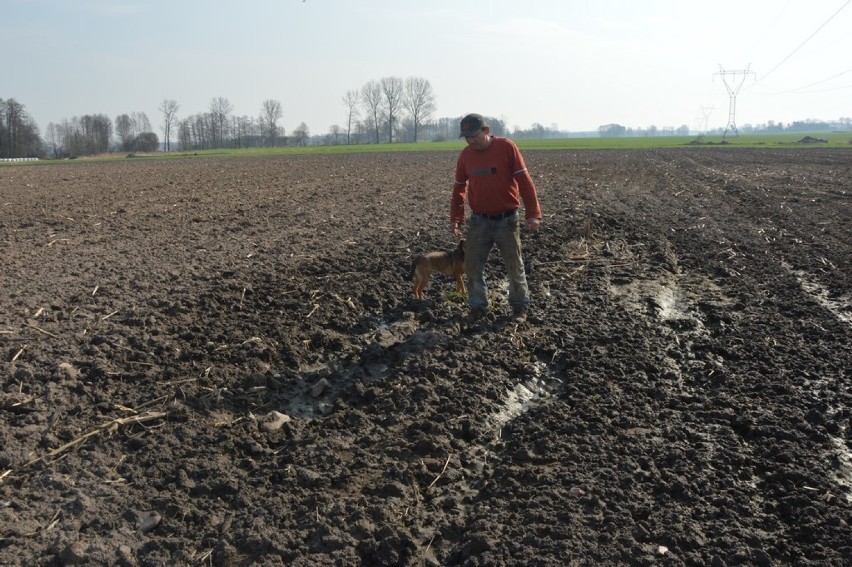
x=733 y=90
x=706 y=111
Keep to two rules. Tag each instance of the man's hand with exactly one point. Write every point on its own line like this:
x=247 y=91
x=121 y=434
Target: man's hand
x=533 y=225
x=456 y=229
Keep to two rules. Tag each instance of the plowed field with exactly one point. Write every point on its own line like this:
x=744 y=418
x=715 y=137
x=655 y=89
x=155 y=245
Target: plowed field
x=220 y=361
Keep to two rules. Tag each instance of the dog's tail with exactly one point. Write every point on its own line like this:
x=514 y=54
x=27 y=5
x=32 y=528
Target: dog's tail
x=413 y=268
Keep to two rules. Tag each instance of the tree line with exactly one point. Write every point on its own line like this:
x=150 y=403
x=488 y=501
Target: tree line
x=97 y=134
x=390 y=109
x=19 y=135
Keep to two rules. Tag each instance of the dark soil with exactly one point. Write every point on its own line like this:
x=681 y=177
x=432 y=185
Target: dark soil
x=220 y=361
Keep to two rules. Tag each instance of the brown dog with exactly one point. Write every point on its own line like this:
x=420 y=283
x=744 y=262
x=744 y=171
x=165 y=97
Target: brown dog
x=449 y=263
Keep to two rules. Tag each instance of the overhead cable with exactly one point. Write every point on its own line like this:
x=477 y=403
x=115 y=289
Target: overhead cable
x=801 y=44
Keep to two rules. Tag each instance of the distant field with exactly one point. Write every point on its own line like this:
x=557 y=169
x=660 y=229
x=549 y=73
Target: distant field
x=832 y=139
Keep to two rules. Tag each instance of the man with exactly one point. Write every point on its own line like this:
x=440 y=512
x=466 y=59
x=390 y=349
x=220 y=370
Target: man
x=492 y=175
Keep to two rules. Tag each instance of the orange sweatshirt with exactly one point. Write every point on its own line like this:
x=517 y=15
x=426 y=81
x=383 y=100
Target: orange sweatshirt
x=494 y=181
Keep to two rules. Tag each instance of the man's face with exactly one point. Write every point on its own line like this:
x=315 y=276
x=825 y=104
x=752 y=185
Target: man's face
x=480 y=140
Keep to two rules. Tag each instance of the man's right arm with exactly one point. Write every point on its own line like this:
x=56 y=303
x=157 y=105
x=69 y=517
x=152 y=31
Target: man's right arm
x=457 y=198
x=457 y=207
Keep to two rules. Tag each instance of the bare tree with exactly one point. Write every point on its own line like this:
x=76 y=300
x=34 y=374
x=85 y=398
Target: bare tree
x=251 y=131
x=100 y=132
x=68 y=137
x=269 y=117
x=141 y=122
x=220 y=109
x=194 y=132
x=124 y=131
x=12 y=112
x=19 y=136
x=169 y=108
x=301 y=134
x=334 y=132
x=87 y=135
x=52 y=138
x=236 y=132
x=419 y=101
x=129 y=129
x=185 y=134
x=371 y=98
x=392 y=89
x=245 y=132
x=351 y=100
x=2 y=128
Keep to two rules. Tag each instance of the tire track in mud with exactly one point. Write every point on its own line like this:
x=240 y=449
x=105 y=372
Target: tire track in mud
x=678 y=305
x=680 y=302
x=840 y=307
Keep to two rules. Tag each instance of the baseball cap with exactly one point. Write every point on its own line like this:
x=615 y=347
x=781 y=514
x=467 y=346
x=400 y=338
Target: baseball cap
x=471 y=125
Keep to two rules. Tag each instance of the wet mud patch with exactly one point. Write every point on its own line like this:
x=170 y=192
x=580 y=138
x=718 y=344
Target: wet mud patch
x=840 y=305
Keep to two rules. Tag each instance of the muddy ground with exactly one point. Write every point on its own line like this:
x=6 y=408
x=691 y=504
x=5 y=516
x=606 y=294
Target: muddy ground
x=220 y=362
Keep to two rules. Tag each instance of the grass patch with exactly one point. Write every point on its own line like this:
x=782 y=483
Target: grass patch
x=833 y=139
x=836 y=139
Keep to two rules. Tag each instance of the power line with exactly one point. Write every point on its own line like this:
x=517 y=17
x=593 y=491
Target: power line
x=801 y=44
x=802 y=88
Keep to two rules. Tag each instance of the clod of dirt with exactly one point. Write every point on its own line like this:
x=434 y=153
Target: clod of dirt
x=147 y=521
x=319 y=388
x=274 y=420
x=67 y=371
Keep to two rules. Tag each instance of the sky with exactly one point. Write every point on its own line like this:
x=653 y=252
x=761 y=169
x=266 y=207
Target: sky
x=570 y=64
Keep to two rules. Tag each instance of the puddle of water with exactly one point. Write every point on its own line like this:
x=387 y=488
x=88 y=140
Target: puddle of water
x=672 y=297
x=516 y=402
x=306 y=403
x=522 y=397
x=388 y=334
x=310 y=399
x=671 y=305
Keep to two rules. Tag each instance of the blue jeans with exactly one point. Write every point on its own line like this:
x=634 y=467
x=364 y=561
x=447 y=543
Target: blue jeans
x=482 y=235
